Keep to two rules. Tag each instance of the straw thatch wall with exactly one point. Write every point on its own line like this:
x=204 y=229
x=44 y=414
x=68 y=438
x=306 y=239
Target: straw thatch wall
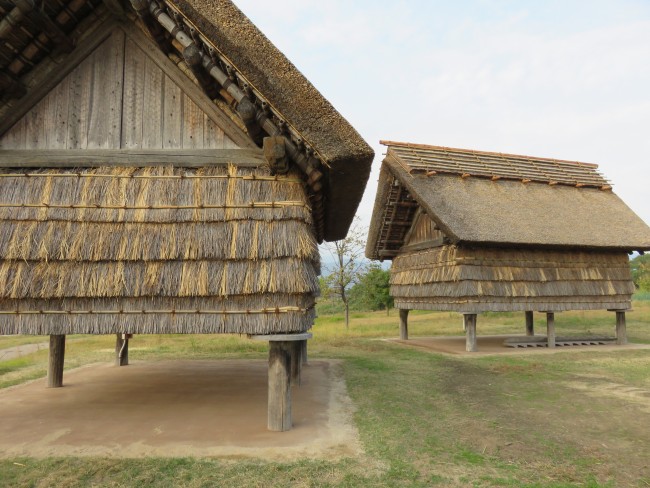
x=155 y=250
x=482 y=279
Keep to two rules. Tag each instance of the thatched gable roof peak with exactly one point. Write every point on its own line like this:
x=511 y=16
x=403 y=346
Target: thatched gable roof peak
x=493 y=199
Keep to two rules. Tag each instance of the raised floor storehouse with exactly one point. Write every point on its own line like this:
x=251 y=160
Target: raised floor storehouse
x=164 y=169
x=473 y=232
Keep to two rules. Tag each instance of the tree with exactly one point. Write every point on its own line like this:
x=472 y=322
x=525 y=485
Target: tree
x=372 y=292
x=347 y=264
x=640 y=267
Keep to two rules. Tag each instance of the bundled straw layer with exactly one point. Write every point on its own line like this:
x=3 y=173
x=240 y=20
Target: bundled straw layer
x=482 y=279
x=155 y=250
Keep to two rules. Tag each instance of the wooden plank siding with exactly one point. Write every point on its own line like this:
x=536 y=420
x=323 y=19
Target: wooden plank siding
x=120 y=97
x=423 y=233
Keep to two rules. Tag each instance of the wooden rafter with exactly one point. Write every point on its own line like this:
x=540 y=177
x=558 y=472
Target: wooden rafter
x=115 y=7
x=50 y=28
x=11 y=86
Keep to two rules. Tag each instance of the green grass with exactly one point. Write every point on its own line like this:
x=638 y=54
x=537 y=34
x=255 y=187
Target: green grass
x=424 y=419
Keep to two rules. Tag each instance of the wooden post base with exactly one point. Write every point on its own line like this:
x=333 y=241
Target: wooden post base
x=621 y=328
x=530 y=324
x=469 y=320
x=57 y=358
x=550 y=329
x=403 y=324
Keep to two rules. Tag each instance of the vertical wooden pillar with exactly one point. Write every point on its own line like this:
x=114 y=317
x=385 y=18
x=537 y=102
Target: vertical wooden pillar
x=550 y=329
x=621 y=328
x=469 y=321
x=279 y=402
x=122 y=350
x=403 y=324
x=57 y=357
x=296 y=362
x=303 y=352
x=530 y=324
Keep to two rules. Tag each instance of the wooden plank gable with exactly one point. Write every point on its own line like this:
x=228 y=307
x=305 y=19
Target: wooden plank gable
x=125 y=95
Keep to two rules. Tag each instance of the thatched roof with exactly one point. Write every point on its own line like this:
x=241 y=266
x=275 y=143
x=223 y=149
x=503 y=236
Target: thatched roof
x=155 y=250
x=279 y=92
x=499 y=200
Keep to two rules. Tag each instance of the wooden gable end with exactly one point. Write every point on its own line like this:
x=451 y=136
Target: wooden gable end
x=423 y=233
x=124 y=95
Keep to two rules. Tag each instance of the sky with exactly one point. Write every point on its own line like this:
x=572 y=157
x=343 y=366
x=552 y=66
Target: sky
x=565 y=79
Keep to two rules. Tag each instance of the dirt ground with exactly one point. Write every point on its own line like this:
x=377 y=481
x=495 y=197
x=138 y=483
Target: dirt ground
x=491 y=345
x=174 y=409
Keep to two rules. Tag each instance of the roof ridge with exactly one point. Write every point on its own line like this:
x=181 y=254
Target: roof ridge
x=475 y=151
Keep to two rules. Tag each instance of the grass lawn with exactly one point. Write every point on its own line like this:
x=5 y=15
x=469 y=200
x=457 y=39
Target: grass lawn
x=425 y=419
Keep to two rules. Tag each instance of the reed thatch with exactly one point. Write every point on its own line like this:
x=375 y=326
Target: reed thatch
x=155 y=250
x=478 y=279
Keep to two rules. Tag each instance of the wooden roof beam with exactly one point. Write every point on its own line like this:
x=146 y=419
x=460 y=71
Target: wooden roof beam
x=194 y=60
x=40 y=19
x=115 y=7
x=156 y=31
x=11 y=87
x=10 y=21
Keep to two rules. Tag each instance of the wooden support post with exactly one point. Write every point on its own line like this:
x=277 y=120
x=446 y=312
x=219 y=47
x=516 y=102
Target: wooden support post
x=550 y=329
x=122 y=350
x=296 y=362
x=303 y=352
x=279 y=406
x=469 y=320
x=621 y=328
x=403 y=324
x=57 y=357
x=530 y=324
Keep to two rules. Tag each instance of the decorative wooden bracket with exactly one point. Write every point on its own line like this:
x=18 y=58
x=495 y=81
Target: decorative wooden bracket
x=194 y=59
x=275 y=153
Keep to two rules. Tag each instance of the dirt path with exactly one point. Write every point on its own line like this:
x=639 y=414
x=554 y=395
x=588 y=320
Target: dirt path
x=177 y=409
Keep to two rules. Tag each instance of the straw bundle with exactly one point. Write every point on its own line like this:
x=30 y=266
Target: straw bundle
x=487 y=279
x=155 y=250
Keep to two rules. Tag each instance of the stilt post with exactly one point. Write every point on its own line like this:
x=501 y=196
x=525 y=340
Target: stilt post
x=279 y=407
x=285 y=361
x=303 y=352
x=469 y=321
x=550 y=329
x=621 y=328
x=403 y=324
x=296 y=362
x=530 y=324
x=57 y=357
x=122 y=349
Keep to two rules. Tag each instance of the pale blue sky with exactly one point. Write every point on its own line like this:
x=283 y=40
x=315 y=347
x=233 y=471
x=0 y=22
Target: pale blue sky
x=564 y=79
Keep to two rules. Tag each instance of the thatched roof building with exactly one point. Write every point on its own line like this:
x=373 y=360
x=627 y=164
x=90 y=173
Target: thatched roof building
x=472 y=231
x=163 y=169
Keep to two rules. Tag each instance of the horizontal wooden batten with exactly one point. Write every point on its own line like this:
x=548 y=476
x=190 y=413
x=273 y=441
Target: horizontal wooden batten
x=189 y=158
